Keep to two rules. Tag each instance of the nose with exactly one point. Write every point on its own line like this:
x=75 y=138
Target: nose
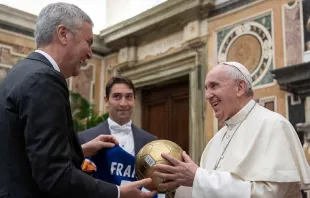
x=124 y=102
x=89 y=54
x=208 y=95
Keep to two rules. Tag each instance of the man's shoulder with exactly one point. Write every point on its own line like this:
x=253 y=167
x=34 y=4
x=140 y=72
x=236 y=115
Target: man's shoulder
x=31 y=70
x=266 y=118
x=144 y=133
x=91 y=133
x=269 y=116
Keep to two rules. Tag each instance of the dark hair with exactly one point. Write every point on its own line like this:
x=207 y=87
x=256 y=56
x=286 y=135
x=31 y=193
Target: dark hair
x=119 y=80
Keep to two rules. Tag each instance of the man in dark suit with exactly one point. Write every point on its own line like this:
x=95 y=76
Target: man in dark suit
x=40 y=155
x=120 y=100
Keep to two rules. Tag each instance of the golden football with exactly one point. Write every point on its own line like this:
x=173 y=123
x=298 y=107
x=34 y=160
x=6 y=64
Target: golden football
x=150 y=155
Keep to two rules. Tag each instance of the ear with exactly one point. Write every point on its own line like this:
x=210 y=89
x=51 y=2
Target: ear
x=241 y=88
x=106 y=99
x=62 y=34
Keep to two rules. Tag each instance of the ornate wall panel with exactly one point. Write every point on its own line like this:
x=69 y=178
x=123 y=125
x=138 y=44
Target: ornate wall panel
x=251 y=44
x=293 y=33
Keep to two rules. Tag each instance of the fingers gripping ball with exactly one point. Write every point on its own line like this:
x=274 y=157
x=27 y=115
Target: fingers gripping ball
x=150 y=155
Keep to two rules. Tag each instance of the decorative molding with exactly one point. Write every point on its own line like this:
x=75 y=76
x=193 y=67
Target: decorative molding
x=163 y=15
x=191 y=31
x=294 y=79
x=292 y=101
x=8 y=58
x=262 y=101
x=163 y=68
x=127 y=54
x=17 y=18
x=12 y=52
x=204 y=27
x=161 y=46
x=232 y=11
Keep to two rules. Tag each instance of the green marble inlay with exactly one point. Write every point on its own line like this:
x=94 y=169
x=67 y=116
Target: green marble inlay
x=268 y=78
x=265 y=21
x=221 y=35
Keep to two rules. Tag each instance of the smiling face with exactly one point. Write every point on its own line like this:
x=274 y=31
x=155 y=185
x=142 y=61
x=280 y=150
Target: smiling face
x=222 y=92
x=79 y=48
x=120 y=103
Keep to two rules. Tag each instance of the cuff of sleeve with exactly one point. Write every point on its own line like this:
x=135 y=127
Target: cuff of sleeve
x=118 y=193
x=197 y=191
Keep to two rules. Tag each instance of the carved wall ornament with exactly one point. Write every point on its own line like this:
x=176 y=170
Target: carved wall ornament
x=250 y=44
x=161 y=46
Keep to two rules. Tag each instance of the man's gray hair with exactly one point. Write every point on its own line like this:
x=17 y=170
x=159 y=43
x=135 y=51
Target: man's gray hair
x=69 y=15
x=235 y=74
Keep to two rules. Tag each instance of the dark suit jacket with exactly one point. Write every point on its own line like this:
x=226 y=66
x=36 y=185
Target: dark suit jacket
x=140 y=136
x=40 y=156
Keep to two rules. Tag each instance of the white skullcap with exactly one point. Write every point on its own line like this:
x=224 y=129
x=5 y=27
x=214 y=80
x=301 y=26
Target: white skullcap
x=244 y=71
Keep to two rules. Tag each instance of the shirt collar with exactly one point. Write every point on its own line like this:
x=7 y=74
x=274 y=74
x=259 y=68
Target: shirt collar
x=240 y=116
x=50 y=59
x=112 y=123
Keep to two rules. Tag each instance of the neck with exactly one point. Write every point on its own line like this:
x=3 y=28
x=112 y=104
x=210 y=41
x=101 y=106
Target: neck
x=58 y=55
x=240 y=105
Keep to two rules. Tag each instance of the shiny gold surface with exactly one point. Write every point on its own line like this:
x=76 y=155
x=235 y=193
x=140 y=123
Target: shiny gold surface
x=150 y=155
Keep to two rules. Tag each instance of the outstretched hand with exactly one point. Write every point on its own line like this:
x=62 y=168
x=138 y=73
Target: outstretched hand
x=102 y=141
x=179 y=174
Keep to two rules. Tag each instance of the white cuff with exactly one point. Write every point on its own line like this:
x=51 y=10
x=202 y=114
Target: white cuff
x=118 y=193
x=219 y=184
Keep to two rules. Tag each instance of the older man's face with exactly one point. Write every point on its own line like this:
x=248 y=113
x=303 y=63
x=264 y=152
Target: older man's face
x=221 y=92
x=79 y=48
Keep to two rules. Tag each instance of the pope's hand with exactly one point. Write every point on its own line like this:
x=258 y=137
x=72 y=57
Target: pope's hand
x=179 y=174
x=131 y=190
x=102 y=141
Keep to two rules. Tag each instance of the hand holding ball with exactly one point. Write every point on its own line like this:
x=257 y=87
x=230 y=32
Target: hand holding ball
x=150 y=155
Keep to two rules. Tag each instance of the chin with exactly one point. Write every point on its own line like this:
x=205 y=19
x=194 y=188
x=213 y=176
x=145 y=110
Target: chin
x=76 y=73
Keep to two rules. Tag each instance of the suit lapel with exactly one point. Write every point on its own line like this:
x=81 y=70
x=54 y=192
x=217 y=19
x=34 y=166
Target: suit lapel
x=105 y=128
x=138 y=141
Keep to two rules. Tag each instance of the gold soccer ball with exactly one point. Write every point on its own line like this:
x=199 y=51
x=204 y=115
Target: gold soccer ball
x=150 y=155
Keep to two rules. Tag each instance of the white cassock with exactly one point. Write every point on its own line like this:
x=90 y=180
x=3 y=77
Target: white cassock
x=264 y=158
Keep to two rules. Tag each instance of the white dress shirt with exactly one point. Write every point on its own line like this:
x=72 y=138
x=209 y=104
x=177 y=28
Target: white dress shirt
x=123 y=134
x=50 y=59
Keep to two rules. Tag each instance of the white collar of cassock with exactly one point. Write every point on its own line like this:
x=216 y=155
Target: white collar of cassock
x=116 y=128
x=240 y=116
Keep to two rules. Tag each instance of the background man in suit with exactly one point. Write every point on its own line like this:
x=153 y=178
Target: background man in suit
x=120 y=100
x=40 y=155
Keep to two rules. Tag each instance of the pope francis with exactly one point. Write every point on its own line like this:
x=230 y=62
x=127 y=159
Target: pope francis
x=256 y=154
